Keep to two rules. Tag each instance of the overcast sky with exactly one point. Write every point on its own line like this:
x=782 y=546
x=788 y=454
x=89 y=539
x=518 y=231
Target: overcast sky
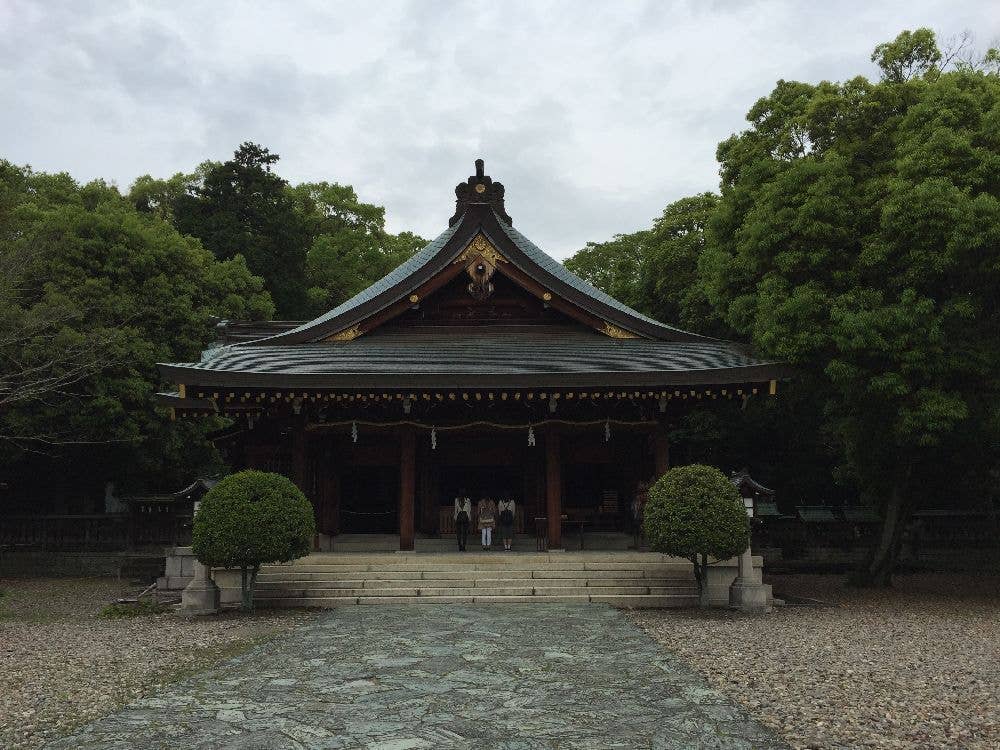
x=594 y=115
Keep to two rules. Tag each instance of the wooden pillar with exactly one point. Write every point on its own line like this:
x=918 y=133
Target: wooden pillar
x=300 y=466
x=661 y=451
x=553 y=488
x=300 y=460
x=407 y=487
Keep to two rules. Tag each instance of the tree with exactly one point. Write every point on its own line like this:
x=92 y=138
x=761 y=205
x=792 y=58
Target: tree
x=242 y=208
x=656 y=270
x=251 y=518
x=669 y=286
x=912 y=53
x=615 y=266
x=696 y=513
x=350 y=247
x=315 y=244
x=857 y=238
x=96 y=294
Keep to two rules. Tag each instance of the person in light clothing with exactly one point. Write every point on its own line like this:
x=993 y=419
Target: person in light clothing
x=506 y=514
x=463 y=519
x=487 y=520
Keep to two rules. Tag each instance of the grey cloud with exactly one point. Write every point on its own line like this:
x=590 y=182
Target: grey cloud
x=594 y=115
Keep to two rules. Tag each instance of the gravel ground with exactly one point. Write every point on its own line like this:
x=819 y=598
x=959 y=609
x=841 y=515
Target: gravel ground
x=61 y=665
x=917 y=666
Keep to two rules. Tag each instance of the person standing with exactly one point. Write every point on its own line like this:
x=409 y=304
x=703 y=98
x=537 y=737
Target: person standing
x=487 y=511
x=463 y=519
x=506 y=514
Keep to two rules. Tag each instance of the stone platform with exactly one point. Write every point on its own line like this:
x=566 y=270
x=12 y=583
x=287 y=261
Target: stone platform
x=626 y=579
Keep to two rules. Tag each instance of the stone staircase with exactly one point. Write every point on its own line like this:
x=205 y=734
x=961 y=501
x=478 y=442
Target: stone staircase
x=625 y=579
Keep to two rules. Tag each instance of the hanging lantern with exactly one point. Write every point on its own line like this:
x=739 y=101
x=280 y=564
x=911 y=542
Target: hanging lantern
x=531 y=435
x=354 y=431
x=434 y=439
x=607 y=430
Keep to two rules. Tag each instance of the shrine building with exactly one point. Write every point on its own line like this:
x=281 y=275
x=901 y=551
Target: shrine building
x=480 y=364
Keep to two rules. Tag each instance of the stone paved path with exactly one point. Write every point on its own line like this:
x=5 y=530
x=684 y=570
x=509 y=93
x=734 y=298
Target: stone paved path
x=513 y=677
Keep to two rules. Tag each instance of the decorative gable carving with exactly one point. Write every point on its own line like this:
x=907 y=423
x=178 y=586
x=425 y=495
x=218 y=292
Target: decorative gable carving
x=481 y=259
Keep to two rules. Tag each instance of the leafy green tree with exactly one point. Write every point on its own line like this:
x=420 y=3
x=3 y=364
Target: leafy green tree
x=315 y=244
x=670 y=288
x=857 y=238
x=95 y=293
x=656 y=270
x=243 y=208
x=160 y=196
x=350 y=247
x=696 y=513
x=615 y=266
x=251 y=518
x=912 y=53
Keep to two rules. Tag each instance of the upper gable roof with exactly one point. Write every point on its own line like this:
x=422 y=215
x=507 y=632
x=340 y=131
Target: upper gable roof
x=479 y=211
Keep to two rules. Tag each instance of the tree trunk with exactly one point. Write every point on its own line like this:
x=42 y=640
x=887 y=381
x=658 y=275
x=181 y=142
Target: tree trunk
x=877 y=568
x=700 y=575
x=245 y=589
x=248 y=578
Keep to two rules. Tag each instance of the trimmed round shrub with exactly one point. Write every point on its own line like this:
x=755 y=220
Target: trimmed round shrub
x=695 y=512
x=251 y=518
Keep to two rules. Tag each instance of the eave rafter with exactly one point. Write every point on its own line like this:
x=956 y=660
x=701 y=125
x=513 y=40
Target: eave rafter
x=206 y=402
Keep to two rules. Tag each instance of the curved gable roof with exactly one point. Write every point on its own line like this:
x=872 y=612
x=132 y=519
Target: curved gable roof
x=478 y=212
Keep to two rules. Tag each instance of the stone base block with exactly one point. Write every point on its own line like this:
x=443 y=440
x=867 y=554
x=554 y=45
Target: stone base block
x=720 y=577
x=201 y=597
x=750 y=597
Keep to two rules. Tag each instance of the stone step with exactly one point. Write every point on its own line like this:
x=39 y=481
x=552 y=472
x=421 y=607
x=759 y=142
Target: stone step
x=458 y=567
x=630 y=601
x=371 y=583
x=473 y=559
x=271 y=574
x=298 y=593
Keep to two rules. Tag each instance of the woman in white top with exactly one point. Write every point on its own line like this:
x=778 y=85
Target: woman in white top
x=506 y=512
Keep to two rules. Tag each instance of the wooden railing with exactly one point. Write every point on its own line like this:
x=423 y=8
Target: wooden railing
x=104 y=532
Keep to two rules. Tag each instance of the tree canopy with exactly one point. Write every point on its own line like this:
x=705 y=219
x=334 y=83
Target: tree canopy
x=95 y=293
x=857 y=236
x=314 y=244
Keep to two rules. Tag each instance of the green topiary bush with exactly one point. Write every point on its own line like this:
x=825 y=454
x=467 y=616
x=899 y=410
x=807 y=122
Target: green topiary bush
x=251 y=518
x=695 y=512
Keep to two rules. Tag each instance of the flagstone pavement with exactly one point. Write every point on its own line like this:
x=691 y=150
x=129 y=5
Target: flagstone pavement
x=490 y=677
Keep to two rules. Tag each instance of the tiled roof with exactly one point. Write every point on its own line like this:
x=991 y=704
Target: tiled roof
x=452 y=356
x=387 y=282
x=557 y=269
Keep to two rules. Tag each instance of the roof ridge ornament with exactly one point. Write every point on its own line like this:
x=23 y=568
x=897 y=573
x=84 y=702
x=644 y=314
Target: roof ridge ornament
x=479 y=189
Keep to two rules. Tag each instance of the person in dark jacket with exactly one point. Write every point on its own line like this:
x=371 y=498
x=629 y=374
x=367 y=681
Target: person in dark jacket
x=463 y=519
x=506 y=514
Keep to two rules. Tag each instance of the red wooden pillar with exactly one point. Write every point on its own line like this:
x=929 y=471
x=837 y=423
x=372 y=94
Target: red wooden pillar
x=407 y=487
x=553 y=488
x=300 y=465
x=300 y=462
x=661 y=451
